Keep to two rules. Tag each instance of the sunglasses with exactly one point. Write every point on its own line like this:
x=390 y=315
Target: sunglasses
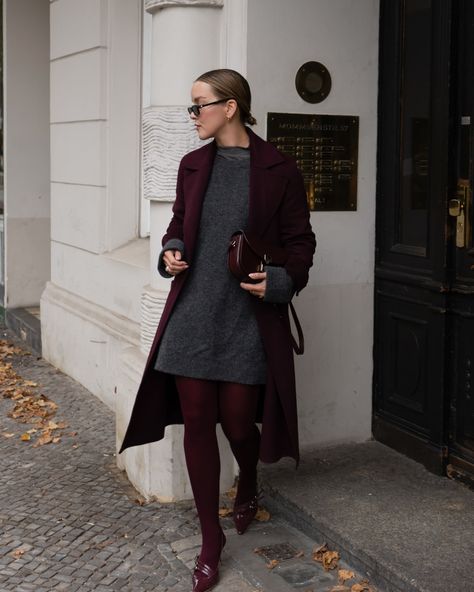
x=196 y=109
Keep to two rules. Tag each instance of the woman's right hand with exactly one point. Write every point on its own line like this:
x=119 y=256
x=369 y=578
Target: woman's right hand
x=173 y=262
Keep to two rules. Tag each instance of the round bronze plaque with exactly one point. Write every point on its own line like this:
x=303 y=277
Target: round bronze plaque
x=313 y=82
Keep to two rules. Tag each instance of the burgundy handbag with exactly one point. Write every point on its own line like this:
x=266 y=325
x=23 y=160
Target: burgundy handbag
x=249 y=255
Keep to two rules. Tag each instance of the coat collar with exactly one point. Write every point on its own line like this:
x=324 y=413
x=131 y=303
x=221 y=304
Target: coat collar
x=266 y=189
x=262 y=154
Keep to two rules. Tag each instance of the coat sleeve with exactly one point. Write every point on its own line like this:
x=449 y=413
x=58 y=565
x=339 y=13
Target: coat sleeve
x=297 y=236
x=175 y=227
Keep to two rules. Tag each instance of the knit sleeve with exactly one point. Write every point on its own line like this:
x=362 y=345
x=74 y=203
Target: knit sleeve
x=280 y=287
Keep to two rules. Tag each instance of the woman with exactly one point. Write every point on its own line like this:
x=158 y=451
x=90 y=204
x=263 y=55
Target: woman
x=222 y=351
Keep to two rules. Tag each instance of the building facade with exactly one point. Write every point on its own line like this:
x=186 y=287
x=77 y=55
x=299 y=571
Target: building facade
x=95 y=126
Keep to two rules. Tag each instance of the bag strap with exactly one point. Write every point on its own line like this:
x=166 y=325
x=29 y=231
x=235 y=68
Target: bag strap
x=297 y=346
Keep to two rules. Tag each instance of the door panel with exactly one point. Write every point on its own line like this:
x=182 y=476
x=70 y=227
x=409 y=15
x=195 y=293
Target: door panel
x=460 y=254
x=424 y=280
x=412 y=186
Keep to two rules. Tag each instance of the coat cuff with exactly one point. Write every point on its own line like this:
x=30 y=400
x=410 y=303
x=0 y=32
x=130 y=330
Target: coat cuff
x=280 y=287
x=175 y=244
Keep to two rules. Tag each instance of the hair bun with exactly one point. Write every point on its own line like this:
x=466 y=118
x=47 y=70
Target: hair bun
x=250 y=119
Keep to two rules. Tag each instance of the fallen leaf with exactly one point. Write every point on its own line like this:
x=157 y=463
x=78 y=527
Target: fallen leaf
x=231 y=493
x=262 y=515
x=7 y=349
x=45 y=438
x=56 y=440
x=25 y=437
x=7 y=434
x=344 y=574
x=340 y=588
x=17 y=553
x=273 y=563
x=299 y=554
x=30 y=383
x=330 y=559
x=361 y=587
x=223 y=512
x=32 y=431
x=318 y=552
x=323 y=555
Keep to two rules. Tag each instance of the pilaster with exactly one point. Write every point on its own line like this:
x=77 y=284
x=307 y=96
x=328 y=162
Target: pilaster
x=186 y=40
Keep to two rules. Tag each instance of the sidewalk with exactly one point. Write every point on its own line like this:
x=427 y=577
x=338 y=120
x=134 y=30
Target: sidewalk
x=70 y=520
x=411 y=529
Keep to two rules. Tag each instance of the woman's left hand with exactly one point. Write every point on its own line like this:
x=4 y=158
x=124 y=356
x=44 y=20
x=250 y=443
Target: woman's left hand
x=256 y=289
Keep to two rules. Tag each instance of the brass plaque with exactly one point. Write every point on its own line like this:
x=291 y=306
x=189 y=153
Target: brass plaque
x=326 y=152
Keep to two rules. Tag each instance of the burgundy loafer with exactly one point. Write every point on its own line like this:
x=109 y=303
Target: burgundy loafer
x=204 y=576
x=244 y=514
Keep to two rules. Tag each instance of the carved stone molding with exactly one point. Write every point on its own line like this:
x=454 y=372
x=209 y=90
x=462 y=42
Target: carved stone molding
x=168 y=134
x=152 y=304
x=154 y=5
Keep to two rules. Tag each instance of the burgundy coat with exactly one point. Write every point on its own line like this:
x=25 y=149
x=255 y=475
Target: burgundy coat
x=278 y=213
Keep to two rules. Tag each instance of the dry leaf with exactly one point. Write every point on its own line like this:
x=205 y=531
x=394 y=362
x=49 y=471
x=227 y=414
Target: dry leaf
x=7 y=434
x=340 y=588
x=262 y=515
x=30 y=383
x=361 y=587
x=223 y=512
x=17 y=553
x=232 y=493
x=25 y=437
x=330 y=559
x=273 y=563
x=56 y=440
x=299 y=554
x=45 y=438
x=318 y=552
x=344 y=574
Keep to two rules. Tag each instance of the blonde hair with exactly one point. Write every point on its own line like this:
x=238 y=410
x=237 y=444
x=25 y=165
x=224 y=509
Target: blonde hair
x=229 y=83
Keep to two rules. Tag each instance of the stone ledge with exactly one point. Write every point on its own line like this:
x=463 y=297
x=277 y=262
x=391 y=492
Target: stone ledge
x=154 y=5
x=26 y=326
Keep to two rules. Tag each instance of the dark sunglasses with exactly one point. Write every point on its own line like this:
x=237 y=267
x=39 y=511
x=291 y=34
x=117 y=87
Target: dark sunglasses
x=196 y=109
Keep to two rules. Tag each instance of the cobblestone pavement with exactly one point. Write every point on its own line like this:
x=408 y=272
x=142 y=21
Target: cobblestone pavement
x=71 y=521
x=69 y=513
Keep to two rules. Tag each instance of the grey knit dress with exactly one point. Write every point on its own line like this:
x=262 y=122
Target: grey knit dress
x=212 y=332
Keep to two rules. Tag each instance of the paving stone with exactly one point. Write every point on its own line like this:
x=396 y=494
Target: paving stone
x=74 y=513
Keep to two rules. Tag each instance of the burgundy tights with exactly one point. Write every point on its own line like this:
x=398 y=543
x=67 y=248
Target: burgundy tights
x=202 y=401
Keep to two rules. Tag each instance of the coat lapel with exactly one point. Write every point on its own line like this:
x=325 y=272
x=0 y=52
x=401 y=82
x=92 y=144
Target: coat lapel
x=267 y=187
x=196 y=179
